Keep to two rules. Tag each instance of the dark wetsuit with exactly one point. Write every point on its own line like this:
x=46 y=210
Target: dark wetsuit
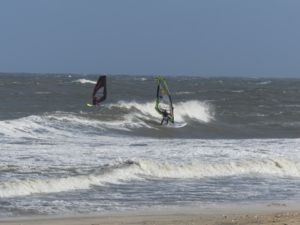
x=166 y=117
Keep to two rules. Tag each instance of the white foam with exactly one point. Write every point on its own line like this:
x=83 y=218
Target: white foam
x=27 y=187
x=142 y=169
x=36 y=127
x=193 y=109
x=48 y=126
x=278 y=167
x=264 y=82
x=21 y=127
x=184 y=93
x=59 y=124
x=196 y=110
x=84 y=81
x=141 y=78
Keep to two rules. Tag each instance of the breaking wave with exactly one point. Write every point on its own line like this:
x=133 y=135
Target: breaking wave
x=62 y=124
x=196 y=110
x=84 y=81
x=136 y=115
x=142 y=169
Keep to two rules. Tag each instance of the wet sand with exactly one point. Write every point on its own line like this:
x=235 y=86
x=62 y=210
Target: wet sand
x=277 y=214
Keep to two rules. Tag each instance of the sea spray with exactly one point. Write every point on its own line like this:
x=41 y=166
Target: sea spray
x=84 y=81
x=193 y=109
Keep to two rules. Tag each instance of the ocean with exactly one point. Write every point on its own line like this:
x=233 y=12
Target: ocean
x=240 y=144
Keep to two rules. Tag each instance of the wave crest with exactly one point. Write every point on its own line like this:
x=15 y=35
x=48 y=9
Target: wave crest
x=84 y=81
x=143 y=169
x=137 y=115
x=193 y=109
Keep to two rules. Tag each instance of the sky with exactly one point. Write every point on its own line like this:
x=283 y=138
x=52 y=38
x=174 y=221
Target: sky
x=257 y=38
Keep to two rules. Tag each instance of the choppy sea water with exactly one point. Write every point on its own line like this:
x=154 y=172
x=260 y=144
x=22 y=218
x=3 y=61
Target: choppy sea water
x=57 y=156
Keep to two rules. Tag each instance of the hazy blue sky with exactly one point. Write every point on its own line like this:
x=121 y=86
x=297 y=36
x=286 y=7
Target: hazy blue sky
x=225 y=37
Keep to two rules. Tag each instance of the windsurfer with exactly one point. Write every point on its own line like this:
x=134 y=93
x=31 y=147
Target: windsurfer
x=166 y=117
x=98 y=94
x=163 y=104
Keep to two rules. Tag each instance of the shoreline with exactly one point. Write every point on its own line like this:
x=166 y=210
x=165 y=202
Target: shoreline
x=264 y=214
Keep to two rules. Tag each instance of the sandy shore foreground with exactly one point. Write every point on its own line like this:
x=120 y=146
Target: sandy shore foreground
x=270 y=216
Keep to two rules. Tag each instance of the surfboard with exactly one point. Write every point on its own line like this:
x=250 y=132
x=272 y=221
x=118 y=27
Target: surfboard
x=175 y=125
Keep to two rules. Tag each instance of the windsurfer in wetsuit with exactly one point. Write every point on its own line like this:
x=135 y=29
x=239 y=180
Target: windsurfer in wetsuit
x=166 y=117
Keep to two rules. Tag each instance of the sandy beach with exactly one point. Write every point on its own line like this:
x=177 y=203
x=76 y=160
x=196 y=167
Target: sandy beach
x=272 y=214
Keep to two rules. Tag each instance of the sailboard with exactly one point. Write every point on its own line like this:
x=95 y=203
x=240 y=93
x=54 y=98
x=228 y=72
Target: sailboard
x=164 y=99
x=99 y=92
x=176 y=125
